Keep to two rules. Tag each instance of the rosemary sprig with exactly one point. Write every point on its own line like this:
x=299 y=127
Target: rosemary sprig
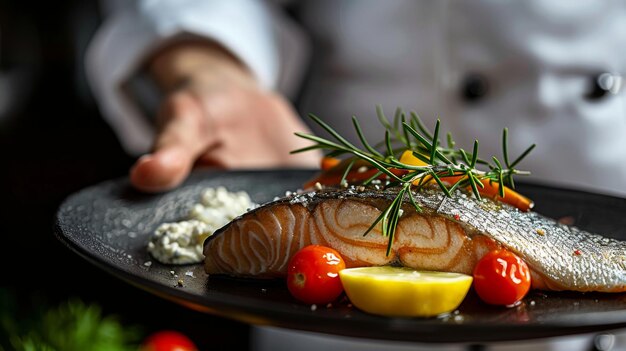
x=440 y=162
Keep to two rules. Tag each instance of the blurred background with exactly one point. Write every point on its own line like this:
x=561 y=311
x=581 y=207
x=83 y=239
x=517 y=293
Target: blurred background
x=53 y=142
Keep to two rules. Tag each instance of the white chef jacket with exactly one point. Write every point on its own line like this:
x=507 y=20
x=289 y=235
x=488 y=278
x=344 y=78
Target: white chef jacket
x=539 y=61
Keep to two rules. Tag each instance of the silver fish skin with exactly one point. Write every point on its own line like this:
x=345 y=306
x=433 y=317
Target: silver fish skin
x=450 y=233
x=567 y=258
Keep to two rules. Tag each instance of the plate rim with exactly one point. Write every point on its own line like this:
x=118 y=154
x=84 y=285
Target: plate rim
x=500 y=331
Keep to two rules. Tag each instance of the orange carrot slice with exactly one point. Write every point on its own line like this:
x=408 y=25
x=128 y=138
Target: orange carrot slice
x=329 y=162
x=334 y=168
x=490 y=188
x=511 y=196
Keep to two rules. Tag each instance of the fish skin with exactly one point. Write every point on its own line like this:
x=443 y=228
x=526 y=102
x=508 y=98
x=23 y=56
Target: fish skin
x=560 y=257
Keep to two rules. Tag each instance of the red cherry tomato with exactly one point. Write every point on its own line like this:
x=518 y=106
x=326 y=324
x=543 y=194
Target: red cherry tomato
x=168 y=340
x=313 y=274
x=501 y=278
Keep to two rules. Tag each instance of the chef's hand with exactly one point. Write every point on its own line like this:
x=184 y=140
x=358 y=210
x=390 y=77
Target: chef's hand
x=216 y=115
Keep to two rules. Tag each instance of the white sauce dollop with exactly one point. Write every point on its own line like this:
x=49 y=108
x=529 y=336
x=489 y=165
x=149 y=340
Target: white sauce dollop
x=182 y=242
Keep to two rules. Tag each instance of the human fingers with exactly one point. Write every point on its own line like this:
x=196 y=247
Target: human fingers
x=181 y=139
x=257 y=132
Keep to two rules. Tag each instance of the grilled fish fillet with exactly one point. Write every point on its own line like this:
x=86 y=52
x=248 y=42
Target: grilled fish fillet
x=449 y=234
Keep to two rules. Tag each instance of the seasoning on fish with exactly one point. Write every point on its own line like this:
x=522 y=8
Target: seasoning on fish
x=449 y=234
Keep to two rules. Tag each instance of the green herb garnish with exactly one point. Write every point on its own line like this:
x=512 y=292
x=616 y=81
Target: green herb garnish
x=71 y=326
x=410 y=133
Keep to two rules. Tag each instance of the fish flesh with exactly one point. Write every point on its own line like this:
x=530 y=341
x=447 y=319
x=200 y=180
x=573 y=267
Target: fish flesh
x=448 y=234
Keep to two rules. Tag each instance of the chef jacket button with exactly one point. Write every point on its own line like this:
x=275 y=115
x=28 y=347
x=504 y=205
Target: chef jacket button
x=602 y=84
x=474 y=87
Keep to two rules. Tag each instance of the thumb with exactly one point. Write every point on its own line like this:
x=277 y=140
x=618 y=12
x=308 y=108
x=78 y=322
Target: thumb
x=180 y=141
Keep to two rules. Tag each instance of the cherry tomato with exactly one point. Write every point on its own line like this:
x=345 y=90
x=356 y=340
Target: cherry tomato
x=313 y=274
x=501 y=278
x=168 y=340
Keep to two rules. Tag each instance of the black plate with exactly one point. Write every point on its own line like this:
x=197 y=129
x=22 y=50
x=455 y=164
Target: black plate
x=109 y=225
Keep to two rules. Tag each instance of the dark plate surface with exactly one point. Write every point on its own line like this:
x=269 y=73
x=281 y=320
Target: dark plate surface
x=109 y=225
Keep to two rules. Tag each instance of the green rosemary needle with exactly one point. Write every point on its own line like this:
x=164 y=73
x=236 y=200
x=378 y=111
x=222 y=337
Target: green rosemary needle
x=410 y=134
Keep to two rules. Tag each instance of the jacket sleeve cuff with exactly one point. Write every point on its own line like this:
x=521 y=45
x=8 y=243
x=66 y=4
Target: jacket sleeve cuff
x=127 y=38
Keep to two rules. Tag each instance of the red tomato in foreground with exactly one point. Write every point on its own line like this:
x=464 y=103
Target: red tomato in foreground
x=313 y=274
x=168 y=340
x=501 y=278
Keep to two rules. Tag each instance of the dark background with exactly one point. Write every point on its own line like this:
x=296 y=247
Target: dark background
x=54 y=142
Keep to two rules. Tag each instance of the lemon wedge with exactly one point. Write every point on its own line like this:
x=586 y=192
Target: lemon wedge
x=408 y=158
x=404 y=292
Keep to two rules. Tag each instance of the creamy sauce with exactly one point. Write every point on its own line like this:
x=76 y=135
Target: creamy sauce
x=181 y=242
